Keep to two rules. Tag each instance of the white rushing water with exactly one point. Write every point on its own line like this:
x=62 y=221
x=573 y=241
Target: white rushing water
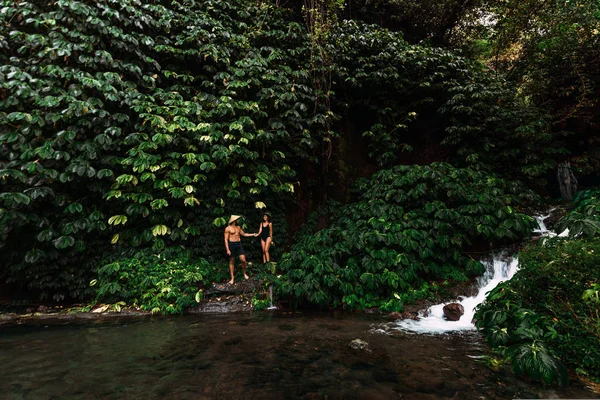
x=500 y=267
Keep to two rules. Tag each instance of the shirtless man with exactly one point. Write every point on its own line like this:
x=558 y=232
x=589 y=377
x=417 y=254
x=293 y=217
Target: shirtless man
x=233 y=245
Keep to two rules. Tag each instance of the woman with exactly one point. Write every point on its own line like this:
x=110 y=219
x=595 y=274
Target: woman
x=265 y=231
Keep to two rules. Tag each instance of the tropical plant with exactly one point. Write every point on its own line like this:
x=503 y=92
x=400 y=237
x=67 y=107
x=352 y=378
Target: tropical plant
x=547 y=312
x=584 y=218
x=412 y=225
x=167 y=282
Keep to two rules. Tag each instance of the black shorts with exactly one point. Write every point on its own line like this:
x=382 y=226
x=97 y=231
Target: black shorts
x=236 y=249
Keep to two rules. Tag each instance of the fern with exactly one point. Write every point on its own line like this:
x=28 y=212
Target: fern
x=534 y=360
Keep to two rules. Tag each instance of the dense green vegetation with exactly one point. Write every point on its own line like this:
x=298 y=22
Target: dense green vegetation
x=123 y=127
x=417 y=97
x=168 y=282
x=548 y=312
x=549 y=50
x=121 y=124
x=131 y=129
x=410 y=226
x=584 y=217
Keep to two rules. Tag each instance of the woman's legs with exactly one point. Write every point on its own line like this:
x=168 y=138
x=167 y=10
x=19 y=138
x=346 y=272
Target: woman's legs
x=263 y=244
x=266 y=249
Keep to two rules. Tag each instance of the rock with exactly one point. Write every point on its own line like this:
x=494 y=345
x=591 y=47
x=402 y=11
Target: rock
x=239 y=287
x=224 y=304
x=358 y=344
x=453 y=311
x=394 y=316
x=411 y=315
x=43 y=309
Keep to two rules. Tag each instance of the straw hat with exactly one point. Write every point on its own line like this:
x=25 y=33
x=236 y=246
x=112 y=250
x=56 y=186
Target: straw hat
x=234 y=218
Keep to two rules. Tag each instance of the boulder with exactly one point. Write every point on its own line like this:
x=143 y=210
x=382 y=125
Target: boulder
x=358 y=344
x=453 y=311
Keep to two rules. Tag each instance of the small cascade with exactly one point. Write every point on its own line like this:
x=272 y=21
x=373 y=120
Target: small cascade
x=271 y=307
x=500 y=267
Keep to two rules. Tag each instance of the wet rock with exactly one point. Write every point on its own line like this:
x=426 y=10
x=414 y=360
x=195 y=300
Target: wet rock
x=43 y=309
x=223 y=304
x=239 y=287
x=394 y=316
x=358 y=344
x=411 y=315
x=453 y=311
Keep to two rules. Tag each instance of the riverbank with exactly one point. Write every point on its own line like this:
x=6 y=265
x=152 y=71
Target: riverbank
x=219 y=298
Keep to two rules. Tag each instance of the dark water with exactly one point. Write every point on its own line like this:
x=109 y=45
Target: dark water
x=249 y=356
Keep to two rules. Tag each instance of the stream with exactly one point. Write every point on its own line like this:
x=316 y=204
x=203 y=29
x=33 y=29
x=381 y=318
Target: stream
x=261 y=355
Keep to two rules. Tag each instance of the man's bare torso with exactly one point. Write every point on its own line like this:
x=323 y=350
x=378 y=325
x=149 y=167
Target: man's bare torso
x=233 y=233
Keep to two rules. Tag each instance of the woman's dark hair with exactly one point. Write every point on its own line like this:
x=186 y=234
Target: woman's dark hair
x=268 y=217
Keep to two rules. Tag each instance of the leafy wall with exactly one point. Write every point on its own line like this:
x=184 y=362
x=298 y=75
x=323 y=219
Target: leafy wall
x=411 y=225
x=143 y=124
x=127 y=125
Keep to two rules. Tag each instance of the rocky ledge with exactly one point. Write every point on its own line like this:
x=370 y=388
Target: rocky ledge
x=218 y=298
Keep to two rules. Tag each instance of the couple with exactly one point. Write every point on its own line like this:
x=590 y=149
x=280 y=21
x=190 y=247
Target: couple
x=233 y=241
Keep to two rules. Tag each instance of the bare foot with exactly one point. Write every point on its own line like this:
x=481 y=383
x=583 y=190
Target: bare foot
x=231 y=282
x=246 y=276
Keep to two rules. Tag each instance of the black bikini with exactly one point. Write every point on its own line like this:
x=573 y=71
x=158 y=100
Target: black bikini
x=265 y=233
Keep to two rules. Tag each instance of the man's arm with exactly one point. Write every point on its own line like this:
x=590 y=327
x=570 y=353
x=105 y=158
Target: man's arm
x=245 y=234
x=227 y=242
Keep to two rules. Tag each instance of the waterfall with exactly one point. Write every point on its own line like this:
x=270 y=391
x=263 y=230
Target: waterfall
x=500 y=267
x=272 y=307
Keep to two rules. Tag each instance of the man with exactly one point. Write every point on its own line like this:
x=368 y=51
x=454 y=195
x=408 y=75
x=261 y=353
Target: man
x=233 y=245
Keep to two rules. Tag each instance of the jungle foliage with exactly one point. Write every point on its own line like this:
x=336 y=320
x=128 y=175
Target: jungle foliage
x=549 y=49
x=134 y=124
x=411 y=226
x=442 y=105
x=143 y=124
x=168 y=282
x=547 y=316
x=584 y=217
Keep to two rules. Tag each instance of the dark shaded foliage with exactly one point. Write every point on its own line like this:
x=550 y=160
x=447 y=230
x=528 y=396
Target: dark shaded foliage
x=410 y=225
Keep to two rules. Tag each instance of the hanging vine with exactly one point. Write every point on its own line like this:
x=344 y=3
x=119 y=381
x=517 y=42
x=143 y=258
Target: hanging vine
x=321 y=18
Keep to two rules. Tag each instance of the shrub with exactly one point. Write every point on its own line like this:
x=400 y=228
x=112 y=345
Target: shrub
x=549 y=305
x=168 y=282
x=410 y=225
x=584 y=217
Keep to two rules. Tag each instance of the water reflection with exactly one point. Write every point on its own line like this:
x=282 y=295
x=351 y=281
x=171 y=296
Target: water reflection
x=254 y=356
